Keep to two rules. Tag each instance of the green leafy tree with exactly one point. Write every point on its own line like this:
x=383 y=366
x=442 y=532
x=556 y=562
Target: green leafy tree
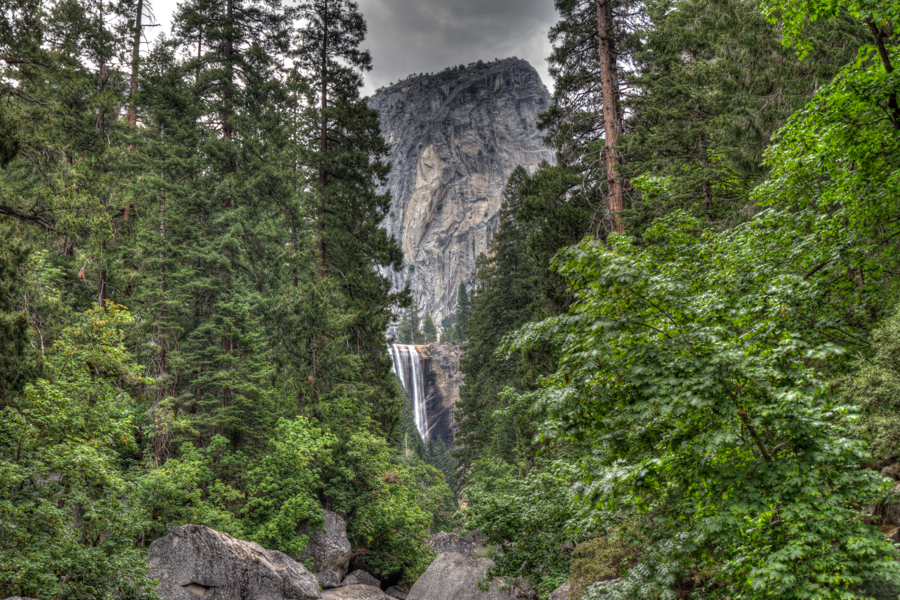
x=382 y=501
x=688 y=403
x=67 y=513
x=284 y=485
x=535 y=511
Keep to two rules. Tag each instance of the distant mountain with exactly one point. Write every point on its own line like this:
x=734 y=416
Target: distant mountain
x=455 y=138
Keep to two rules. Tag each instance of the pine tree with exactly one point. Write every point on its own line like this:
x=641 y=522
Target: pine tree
x=16 y=362
x=509 y=292
x=447 y=329
x=461 y=315
x=405 y=331
x=585 y=119
x=346 y=155
x=240 y=50
x=705 y=113
x=164 y=153
x=413 y=312
x=438 y=456
x=429 y=331
x=409 y=332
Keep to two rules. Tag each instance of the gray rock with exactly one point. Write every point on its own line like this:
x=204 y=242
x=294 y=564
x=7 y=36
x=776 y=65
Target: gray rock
x=396 y=592
x=360 y=577
x=453 y=576
x=442 y=396
x=355 y=592
x=329 y=547
x=196 y=561
x=328 y=579
x=19 y=598
x=561 y=593
x=455 y=139
x=476 y=537
x=450 y=542
x=892 y=533
x=890 y=472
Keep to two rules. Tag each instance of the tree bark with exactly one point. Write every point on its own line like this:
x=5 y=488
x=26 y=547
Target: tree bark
x=160 y=439
x=879 y=36
x=228 y=109
x=101 y=134
x=609 y=82
x=135 y=61
x=323 y=145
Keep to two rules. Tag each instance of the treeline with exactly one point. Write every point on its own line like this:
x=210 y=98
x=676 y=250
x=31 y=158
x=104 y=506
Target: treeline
x=191 y=330
x=454 y=327
x=678 y=380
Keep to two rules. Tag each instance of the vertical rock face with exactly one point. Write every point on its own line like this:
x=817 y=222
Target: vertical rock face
x=455 y=138
x=442 y=394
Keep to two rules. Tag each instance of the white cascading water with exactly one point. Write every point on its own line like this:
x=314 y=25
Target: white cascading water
x=407 y=364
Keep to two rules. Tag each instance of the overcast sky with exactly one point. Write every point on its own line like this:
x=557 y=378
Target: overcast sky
x=420 y=36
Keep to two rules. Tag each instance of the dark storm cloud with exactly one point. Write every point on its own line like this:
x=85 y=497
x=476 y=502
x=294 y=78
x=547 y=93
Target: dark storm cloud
x=420 y=36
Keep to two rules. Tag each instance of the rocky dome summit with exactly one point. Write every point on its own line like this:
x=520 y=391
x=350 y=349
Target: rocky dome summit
x=455 y=138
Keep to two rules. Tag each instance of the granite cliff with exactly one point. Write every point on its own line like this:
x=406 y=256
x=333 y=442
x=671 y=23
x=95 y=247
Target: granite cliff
x=455 y=138
x=442 y=392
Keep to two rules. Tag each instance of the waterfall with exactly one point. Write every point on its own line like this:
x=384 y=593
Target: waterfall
x=407 y=364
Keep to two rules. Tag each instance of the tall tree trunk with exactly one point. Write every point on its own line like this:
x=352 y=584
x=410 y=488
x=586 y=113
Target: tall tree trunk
x=323 y=145
x=879 y=35
x=323 y=182
x=101 y=132
x=228 y=109
x=135 y=61
x=160 y=438
x=609 y=82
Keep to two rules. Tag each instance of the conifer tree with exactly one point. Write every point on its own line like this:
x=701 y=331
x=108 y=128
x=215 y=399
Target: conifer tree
x=409 y=332
x=413 y=312
x=508 y=284
x=405 y=331
x=345 y=155
x=164 y=154
x=447 y=329
x=585 y=119
x=429 y=331
x=239 y=49
x=461 y=315
x=16 y=366
x=714 y=84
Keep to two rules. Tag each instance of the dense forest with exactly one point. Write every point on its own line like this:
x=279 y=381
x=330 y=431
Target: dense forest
x=681 y=357
x=191 y=327
x=682 y=374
